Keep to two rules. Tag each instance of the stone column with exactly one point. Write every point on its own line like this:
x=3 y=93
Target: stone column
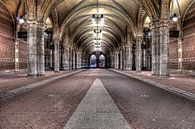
x=116 y=64
x=51 y=58
x=144 y=55
x=180 y=54
x=128 y=58
x=112 y=61
x=164 y=51
x=121 y=60
x=73 y=60
x=139 y=53
x=56 y=55
x=32 y=49
x=70 y=58
x=66 y=58
x=155 y=49
x=79 y=60
x=40 y=49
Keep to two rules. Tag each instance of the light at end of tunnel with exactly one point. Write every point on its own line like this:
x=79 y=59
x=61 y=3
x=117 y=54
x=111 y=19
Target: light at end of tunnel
x=16 y=50
x=17 y=60
x=180 y=59
x=180 y=50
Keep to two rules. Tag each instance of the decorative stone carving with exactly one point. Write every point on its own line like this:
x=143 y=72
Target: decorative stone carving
x=139 y=41
x=56 y=55
x=160 y=53
x=32 y=49
x=40 y=49
x=116 y=66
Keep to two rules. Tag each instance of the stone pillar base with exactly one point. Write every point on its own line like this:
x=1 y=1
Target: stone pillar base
x=40 y=75
x=128 y=69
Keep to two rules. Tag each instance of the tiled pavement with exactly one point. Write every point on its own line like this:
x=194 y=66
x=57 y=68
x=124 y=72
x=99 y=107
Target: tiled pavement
x=143 y=105
x=182 y=84
x=47 y=107
x=13 y=82
x=148 y=107
x=97 y=110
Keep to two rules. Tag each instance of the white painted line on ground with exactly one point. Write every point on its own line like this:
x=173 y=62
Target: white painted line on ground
x=97 y=110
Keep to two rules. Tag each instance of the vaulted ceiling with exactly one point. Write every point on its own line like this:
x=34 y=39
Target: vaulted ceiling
x=119 y=15
x=75 y=16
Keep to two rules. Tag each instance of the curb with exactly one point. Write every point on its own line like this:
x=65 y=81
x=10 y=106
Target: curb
x=169 y=88
x=29 y=87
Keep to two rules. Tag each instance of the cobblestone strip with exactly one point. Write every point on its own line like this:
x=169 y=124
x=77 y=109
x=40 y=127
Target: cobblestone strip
x=97 y=110
x=162 y=86
x=29 y=87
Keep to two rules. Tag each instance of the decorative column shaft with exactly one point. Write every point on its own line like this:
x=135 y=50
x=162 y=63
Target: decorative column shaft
x=56 y=55
x=128 y=58
x=51 y=58
x=155 y=49
x=116 y=60
x=78 y=60
x=73 y=60
x=32 y=49
x=112 y=61
x=160 y=51
x=144 y=56
x=66 y=57
x=164 y=51
x=121 y=60
x=139 y=53
x=180 y=55
x=70 y=58
x=40 y=49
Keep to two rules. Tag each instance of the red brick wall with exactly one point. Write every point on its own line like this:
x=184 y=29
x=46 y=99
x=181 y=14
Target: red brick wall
x=6 y=40
x=189 y=40
x=173 y=54
x=23 y=54
x=189 y=53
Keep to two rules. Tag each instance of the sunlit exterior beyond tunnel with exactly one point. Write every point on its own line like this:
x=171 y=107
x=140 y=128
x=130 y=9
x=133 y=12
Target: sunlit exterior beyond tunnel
x=97 y=64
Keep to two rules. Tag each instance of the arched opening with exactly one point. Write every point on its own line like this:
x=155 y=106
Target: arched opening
x=93 y=61
x=102 y=61
x=147 y=46
x=49 y=47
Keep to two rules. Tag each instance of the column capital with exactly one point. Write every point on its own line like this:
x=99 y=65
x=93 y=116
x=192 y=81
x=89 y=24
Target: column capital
x=41 y=25
x=35 y=24
x=139 y=38
x=161 y=23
